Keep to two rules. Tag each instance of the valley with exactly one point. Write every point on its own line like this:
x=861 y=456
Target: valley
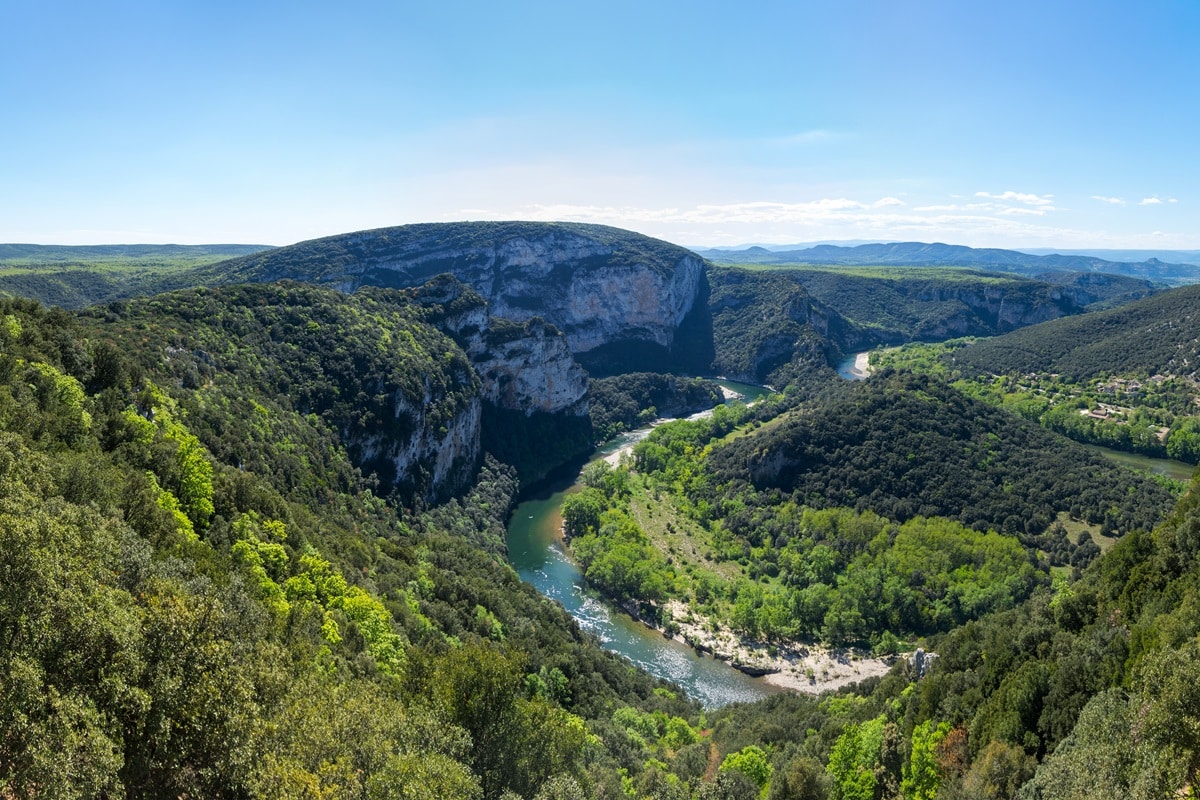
x=352 y=518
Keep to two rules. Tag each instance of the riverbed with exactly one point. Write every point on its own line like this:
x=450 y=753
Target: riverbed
x=535 y=552
x=855 y=367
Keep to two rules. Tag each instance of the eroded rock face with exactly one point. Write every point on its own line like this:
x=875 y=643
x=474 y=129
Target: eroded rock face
x=990 y=311
x=597 y=285
x=524 y=367
x=589 y=290
x=601 y=305
x=534 y=372
x=432 y=460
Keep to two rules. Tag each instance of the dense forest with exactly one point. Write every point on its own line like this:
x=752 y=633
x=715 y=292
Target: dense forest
x=183 y=617
x=624 y=402
x=905 y=446
x=1123 y=379
x=253 y=545
x=1155 y=335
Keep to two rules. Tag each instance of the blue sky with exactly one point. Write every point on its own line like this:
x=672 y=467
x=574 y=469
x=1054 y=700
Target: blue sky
x=1015 y=124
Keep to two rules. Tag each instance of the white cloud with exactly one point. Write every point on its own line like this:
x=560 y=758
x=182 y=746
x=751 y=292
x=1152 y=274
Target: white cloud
x=1020 y=197
x=762 y=212
x=1150 y=201
x=1112 y=201
x=885 y=202
x=825 y=218
x=957 y=207
x=1172 y=199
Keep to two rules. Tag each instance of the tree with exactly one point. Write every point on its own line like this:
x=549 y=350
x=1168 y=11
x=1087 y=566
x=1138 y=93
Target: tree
x=581 y=512
x=752 y=762
x=921 y=775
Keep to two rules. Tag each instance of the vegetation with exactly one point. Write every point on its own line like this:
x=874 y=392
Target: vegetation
x=703 y=519
x=1151 y=336
x=766 y=328
x=897 y=304
x=264 y=360
x=904 y=446
x=776 y=325
x=175 y=622
x=74 y=277
x=1122 y=379
x=211 y=584
x=630 y=401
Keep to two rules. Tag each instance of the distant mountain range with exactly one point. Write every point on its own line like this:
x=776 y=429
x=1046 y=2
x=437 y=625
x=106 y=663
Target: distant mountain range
x=913 y=254
x=50 y=253
x=1173 y=256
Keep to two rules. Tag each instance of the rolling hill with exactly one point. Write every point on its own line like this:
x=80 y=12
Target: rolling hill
x=1160 y=334
x=938 y=254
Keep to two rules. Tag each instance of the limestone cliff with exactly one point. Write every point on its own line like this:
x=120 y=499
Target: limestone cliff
x=535 y=409
x=529 y=368
x=984 y=310
x=431 y=460
x=598 y=285
x=523 y=367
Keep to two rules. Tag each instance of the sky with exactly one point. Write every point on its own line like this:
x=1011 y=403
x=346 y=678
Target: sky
x=1015 y=124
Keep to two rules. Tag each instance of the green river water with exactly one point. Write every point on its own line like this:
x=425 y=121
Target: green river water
x=535 y=551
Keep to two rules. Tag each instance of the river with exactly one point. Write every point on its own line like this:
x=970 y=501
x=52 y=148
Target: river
x=1178 y=470
x=535 y=551
x=854 y=367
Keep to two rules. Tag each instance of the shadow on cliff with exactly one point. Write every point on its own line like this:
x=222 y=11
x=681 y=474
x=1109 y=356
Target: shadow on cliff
x=691 y=351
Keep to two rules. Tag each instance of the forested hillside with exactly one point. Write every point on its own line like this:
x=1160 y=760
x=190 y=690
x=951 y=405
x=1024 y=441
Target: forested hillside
x=776 y=326
x=1160 y=334
x=1047 y=683
x=253 y=541
x=201 y=595
x=625 y=402
x=906 y=446
x=1124 y=379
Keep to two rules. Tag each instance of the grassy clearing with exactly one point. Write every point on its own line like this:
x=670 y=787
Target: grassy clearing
x=1077 y=527
x=676 y=535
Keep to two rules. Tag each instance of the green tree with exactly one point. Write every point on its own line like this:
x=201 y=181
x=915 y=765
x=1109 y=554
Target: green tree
x=853 y=761
x=753 y=762
x=921 y=775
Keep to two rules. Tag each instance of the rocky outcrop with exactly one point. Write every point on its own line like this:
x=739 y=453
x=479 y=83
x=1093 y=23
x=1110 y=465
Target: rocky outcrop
x=597 y=285
x=432 y=460
x=534 y=393
x=526 y=367
x=530 y=369
x=989 y=310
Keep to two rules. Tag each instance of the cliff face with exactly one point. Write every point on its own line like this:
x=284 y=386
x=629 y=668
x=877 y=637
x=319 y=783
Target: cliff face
x=605 y=303
x=993 y=310
x=597 y=285
x=430 y=459
x=535 y=395
x=522 y=367
x=532 y=372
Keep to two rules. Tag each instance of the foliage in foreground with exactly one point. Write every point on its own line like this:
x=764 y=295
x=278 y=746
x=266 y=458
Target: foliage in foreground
x=173 y=622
